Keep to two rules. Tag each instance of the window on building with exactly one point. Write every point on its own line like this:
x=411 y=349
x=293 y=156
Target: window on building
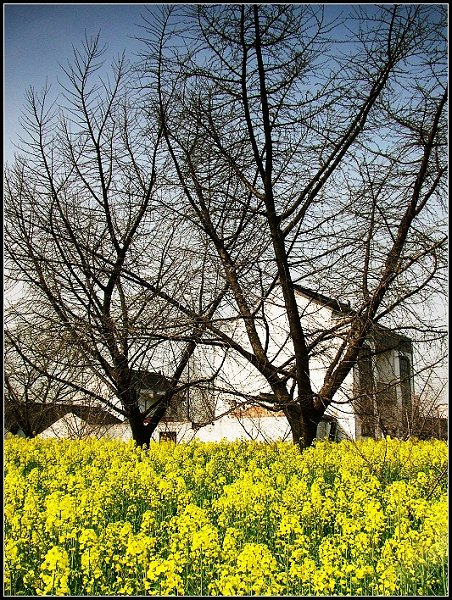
x=388 y=414
x=405 y=389
x=167 y=436
x=366 y=408
x=405 y=381
x=332 y=436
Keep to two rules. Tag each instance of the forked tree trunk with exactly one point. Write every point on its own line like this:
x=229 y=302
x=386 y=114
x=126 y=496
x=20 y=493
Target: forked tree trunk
x=141 y=433
x=303 y=424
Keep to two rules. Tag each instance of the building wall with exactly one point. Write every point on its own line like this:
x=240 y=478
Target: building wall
x=383 y=391
x=231 y=428
x=72 y=427
x=238 y=375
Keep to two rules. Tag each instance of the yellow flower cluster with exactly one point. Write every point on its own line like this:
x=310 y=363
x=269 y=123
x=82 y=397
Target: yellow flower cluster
x=100 y=518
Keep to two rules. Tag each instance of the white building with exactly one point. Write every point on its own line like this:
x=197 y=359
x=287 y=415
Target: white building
x=59 y=420
x=374 y=400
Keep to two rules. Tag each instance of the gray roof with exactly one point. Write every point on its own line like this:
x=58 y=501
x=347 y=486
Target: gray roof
x=325 y=300
x=39 y=416
x=150 y=380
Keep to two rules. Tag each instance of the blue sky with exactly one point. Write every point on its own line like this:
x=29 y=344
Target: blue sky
x=39 y=37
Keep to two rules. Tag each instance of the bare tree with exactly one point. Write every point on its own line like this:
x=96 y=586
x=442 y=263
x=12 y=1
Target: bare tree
x=427 y=414
x=301 y=158
x=33 y=382
x=83 y=209
x=148 y=221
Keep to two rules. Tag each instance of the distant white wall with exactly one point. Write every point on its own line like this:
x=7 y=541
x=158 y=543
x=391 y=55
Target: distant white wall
x=73 y=427
x=257 y=428
x=232 y=428
x=265 y=429
x=64 y=427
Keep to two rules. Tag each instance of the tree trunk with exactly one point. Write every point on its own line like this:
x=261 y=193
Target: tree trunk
x=141 y=433
x=303 y=424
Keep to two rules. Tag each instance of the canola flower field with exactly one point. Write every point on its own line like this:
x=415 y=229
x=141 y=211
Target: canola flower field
x=106 y=518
